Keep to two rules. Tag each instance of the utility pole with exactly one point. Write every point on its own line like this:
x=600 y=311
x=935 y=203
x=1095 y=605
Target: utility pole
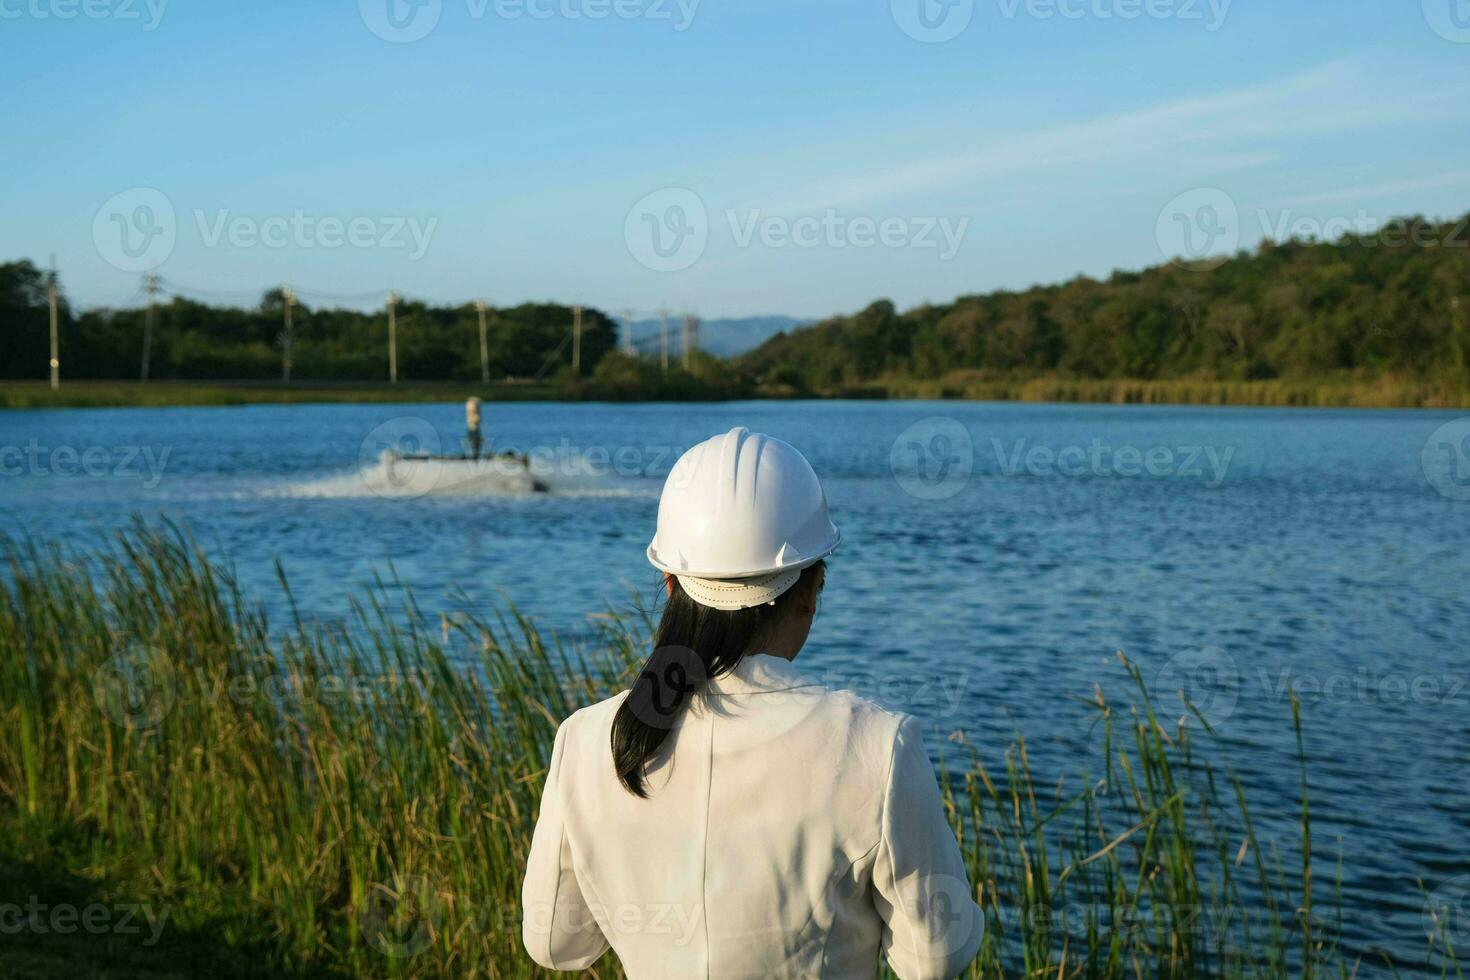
x=628 y=347
x=51 y=299
x=663 y=339
x=484 y=345
x=392 y=338
x=577 y=341
x=151 y=283
x=288 y=300
x=691 y=337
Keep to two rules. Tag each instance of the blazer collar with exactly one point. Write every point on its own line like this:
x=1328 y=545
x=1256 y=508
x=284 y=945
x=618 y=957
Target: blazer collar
x=759 y=673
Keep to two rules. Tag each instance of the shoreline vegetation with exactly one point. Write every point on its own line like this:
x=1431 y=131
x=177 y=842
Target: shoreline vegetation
x=356 y=798
x=958 y=386
x=1376 y=319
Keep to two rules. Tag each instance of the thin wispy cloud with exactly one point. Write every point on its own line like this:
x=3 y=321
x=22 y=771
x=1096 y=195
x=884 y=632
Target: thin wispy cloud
x=1370 y=192
x=1336 y=97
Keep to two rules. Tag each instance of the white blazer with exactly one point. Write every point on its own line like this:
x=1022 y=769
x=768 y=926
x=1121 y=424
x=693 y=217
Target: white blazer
x=790 y=831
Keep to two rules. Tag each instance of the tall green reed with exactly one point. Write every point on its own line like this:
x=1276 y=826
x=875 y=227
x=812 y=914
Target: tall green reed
x=358 y=796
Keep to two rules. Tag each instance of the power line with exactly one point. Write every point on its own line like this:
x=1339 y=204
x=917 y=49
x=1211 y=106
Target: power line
x=180 y=289
x=550 y=357
x=341 y=297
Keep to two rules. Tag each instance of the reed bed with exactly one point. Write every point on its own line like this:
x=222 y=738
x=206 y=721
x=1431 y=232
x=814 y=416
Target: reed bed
x=1328 y=392
x=168 y=394
x=356 y=798
x=1331 y=392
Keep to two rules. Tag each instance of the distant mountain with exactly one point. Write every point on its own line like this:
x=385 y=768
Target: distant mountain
x=723 y=337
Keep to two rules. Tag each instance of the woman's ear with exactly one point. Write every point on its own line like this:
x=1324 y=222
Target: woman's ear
x=669 y=584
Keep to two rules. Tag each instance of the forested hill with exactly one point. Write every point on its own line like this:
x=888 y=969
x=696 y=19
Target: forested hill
x=1393 y=304
x=1377 y=320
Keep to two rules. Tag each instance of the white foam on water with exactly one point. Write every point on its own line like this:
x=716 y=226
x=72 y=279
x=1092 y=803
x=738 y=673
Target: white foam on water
x=392 y=477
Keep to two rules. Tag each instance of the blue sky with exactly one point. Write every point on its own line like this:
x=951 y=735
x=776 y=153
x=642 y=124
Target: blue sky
x=823 y=157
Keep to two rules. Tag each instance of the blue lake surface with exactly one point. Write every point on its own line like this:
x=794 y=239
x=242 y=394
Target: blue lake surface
x=995 y=558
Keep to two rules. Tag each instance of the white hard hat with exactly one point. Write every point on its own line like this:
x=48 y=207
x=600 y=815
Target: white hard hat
x=740 y=516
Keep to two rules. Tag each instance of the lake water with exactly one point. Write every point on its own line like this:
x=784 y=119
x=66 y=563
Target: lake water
x=995 y=557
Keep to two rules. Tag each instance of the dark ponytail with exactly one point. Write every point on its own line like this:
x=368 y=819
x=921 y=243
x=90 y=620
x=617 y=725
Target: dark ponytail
x=693 y=643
